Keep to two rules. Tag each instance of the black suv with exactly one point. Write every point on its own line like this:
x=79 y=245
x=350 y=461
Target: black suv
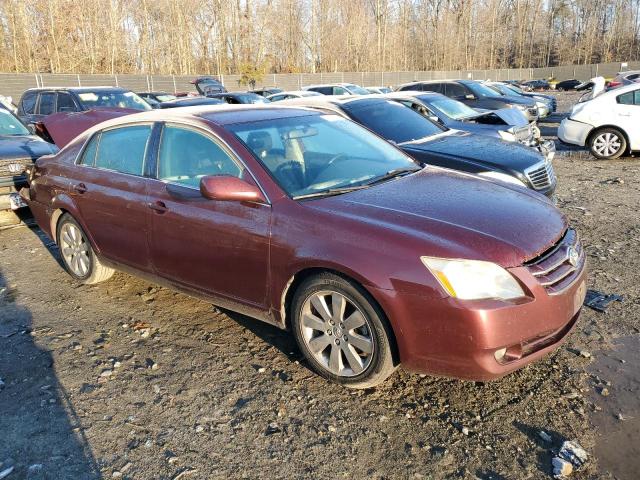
x=38 y=103
x=476 y=95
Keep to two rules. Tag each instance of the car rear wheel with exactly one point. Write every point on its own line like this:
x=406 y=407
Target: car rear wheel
x=342 y=332
x=77 y=255
x=608 y=144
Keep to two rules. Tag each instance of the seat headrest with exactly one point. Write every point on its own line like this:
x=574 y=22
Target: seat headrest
x=260 y=141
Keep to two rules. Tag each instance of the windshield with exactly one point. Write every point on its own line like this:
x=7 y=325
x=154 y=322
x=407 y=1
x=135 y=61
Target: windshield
x=392 y=120
x=315 y=154
x=166 y=97
x=252 y=98
x=515 y=89
x=10 y=125
x=113 y=99
x=482 y=90
x=356 y=90
x=451 y=108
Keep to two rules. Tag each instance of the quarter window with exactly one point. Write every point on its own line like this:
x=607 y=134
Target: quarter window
x=123 y=149
x=186 y=156
x=454 y=90
x=629 y=98
x=29 y=103
x=89 y=154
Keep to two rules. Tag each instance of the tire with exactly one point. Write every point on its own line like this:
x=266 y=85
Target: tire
x=78 y=257
x=607 y=144
x=350 y=344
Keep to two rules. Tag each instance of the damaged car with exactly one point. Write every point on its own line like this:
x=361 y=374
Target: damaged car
x=443 y=272
x=547 y=104
x=432 y=143
x=19 y=149
x=506 y=124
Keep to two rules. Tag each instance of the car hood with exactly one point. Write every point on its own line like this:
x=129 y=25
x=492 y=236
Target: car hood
x=510 y=116
x=24 y=146
x=479 y=149
x=455 y=215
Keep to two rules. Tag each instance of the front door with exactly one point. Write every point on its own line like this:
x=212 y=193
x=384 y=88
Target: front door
x=627 y=110
x=110 y=192
x=218 y=247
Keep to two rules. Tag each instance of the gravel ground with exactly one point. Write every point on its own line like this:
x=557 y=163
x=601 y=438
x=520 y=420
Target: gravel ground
x=129 y=380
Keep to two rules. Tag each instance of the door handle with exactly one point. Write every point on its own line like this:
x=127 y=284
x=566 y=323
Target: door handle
x=158 y=207
x=80 y=188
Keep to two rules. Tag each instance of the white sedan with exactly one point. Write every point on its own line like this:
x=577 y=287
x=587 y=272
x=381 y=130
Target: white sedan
x=609 y=123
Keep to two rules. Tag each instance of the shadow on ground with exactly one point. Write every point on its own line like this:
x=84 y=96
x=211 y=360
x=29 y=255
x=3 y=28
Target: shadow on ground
x=41 y=436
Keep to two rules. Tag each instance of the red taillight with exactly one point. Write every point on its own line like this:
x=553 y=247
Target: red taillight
x=615 y=84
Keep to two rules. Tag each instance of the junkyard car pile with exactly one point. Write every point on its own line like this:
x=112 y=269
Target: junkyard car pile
x=412 y=227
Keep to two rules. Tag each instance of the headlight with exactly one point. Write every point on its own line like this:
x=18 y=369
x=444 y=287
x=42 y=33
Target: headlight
x=503 y=177
x=541 y=105
x=473 y=279
x=507 y=135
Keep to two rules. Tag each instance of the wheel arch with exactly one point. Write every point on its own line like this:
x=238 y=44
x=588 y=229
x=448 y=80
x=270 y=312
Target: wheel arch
x=300 y=276
x=599 y=128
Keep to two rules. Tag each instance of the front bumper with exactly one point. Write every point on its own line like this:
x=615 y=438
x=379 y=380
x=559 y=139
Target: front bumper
x=547 y=148
x=464 y=339
x=574 y=133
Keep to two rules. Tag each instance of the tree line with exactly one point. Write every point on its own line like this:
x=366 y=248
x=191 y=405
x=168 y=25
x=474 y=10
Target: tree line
x=290 y=36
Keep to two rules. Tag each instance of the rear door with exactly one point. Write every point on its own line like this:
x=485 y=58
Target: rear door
x=221 y=248
x=65 y=103
x=627 y=111
x=46 y=105
x=111 y=193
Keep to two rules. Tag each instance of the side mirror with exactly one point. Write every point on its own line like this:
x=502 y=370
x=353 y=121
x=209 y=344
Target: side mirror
x=226 y=188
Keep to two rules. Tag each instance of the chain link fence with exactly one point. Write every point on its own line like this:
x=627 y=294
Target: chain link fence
x=14 y=84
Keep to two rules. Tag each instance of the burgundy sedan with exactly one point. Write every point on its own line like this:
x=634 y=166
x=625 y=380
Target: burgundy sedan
x=308 y=221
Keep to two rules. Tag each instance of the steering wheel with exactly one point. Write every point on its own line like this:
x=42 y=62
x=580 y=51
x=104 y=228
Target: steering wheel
x=336 y=158
x=292 y=173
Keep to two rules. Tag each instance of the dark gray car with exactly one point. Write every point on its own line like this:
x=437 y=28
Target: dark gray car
x=475 y=95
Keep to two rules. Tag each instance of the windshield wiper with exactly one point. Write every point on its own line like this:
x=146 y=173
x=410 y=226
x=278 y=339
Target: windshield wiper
x=331 y=192
x=396 y=172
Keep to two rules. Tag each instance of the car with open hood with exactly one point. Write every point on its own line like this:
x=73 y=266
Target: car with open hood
x=607 y=123
x=475 y=95
x=547 y=104
x=312 y=223
x=435 y=144
x=19 y=149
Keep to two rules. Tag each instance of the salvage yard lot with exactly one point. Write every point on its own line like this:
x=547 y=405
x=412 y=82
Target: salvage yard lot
x=128 y=380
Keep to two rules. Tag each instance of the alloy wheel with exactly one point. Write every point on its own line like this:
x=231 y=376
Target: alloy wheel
x=75 y=250
x=337 y=333
x=607 y=144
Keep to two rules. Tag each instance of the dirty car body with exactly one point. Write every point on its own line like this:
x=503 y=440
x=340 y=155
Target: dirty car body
x=254 y=225
x=18 y=150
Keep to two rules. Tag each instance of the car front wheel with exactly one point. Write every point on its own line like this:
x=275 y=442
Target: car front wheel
x=608 y=144
x=342 y=332
x=77 y=255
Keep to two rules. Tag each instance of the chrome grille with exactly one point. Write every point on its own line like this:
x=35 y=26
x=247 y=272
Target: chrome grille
x=541 y=175
x=533 y=111
x=6 y=171
x=557 y=268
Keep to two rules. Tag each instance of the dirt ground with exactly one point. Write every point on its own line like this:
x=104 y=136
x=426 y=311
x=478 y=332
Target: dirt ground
x=129 y=380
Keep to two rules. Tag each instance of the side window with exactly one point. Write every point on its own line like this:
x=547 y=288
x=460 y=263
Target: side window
x=29 y=102
x=89 y=154
x=625 y=98
x=123 y=149
x=636 y=97
x=65 y=103
x=47 y=102
x=186 y=156
x=432 y=87
x=340 y=91
x=634 y=76
x=454 y=90
x=322 y=90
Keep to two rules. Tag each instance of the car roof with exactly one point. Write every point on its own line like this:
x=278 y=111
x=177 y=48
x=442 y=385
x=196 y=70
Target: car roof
x=78 y=89
x=334 y=102
x=217 y=114
x=154 y=93
x=411 y=94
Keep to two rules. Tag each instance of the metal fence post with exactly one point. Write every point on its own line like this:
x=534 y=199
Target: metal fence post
x=115 y=77
x=175 y=89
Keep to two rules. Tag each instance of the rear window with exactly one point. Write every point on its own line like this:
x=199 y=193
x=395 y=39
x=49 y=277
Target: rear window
x=392 y=120
x=89 y=155
x=65 y=103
